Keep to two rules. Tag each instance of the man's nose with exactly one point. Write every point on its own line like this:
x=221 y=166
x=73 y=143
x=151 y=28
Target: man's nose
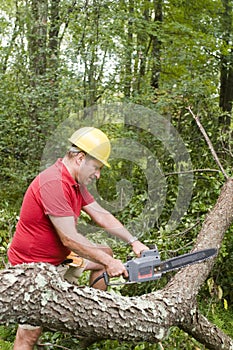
x=97 y=174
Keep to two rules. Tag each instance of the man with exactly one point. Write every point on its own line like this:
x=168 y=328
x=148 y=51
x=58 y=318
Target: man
x=47 y=232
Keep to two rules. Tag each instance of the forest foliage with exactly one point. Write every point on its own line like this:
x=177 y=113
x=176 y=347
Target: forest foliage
x=60 y=58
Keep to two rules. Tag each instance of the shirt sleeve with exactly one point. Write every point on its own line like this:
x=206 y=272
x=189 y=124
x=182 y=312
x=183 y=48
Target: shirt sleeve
x=56 y=199
x=59 y=198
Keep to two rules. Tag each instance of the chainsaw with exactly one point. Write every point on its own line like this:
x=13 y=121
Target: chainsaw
x=149 y=267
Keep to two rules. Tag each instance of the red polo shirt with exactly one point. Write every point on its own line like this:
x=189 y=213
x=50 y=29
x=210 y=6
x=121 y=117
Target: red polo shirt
x=52 y=192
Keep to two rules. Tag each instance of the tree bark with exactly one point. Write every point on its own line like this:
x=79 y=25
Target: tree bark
x=36 y=294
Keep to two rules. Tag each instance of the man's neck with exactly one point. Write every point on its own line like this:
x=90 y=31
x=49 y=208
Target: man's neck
x=68 y=164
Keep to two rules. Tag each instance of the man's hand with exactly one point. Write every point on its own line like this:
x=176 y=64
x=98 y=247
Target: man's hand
x=138 y=248
x=116 y=268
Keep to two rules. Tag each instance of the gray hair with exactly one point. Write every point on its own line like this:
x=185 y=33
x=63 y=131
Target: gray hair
x=73 y=151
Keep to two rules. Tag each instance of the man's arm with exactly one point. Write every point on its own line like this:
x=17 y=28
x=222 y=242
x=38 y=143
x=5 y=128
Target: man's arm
x=111 y=224
x=65 y=227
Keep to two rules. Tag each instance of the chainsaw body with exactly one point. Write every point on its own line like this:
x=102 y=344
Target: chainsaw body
x=144 y=268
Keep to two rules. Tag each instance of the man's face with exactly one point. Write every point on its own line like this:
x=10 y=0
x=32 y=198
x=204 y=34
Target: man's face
x=89 y=170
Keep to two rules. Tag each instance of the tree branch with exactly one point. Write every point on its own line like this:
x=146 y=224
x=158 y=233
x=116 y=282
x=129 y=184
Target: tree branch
x=207 y=333
x=209 y=143
x=192 y=171
x=36 y=294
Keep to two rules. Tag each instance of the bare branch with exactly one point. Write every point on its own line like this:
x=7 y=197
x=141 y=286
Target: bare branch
x=192 y=171
x=209 y=143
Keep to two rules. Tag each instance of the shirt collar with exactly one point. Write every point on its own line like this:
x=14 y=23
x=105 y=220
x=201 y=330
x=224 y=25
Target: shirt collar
x=65 y=173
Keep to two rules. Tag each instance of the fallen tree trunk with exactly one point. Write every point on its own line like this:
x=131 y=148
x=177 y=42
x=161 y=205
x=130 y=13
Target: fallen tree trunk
x=36 y=294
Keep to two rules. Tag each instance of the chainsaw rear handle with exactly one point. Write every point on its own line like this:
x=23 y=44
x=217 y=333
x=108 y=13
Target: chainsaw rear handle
x=106 y=278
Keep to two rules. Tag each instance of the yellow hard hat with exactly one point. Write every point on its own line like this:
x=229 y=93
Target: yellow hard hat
x=94 y=142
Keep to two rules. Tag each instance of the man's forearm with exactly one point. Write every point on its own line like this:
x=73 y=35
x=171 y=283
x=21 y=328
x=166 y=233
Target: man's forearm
x=121 y=232
x=106 y=220
x=87 y=250
x=76 y=242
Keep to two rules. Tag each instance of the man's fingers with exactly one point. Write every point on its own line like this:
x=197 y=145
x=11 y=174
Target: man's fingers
x=125 y=274
x=117 y=269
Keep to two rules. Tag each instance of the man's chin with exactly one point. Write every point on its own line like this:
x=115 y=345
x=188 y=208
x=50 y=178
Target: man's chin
x=90 y=181
x=87 y=182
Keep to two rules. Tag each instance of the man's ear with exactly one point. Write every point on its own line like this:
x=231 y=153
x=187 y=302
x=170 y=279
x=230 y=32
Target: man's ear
x=80 y=157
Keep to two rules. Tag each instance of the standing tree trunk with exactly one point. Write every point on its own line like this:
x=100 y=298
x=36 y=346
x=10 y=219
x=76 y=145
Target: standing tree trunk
x=128 y=53
x=37 y=38
x=53 y=52
x=36 y=294
x=156 y=45
x=226 y=67
x=43 y=54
